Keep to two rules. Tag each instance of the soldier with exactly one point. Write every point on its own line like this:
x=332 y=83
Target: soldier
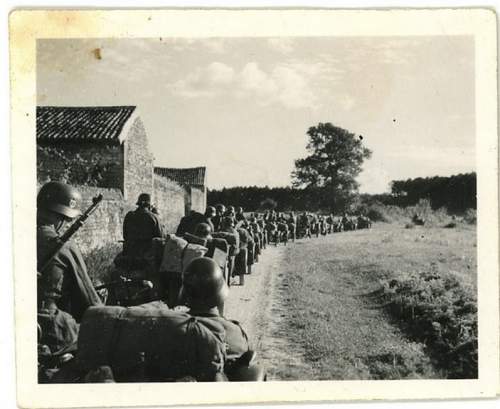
x=227 y=226
x=330 y=221
x=210 y=213
x=204 y=231
x=220 y=210
x=204 y=291
x=346 y=222
x=65 y=289
x=240 y=216
x=139 y=228
x=231 y=212
x=188 y=223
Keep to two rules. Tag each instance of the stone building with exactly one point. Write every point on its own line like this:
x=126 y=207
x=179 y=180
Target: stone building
x=100 y=146
x=105 y=149
x=194 y=182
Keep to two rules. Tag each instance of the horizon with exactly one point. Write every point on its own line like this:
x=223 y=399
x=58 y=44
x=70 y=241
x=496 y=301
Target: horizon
x=381 y=193
x=250 y=101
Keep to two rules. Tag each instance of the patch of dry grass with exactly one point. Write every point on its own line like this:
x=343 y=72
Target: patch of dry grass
x=333 y=288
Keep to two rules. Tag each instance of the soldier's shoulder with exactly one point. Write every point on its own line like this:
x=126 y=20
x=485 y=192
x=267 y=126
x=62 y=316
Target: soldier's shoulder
x=150 y=214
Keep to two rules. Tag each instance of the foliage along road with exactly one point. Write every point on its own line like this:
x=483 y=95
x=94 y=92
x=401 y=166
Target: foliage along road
x=311 y=311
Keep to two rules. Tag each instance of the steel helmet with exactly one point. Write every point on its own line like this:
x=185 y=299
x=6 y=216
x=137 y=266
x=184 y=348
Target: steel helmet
x=202 y=230
x=144 y=199
x=227 y=221
x=210 y=211
x=203 y=284
x=60 y=198
x=220 y=208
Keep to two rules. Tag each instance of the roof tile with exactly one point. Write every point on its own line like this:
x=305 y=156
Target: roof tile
x=184 y=176
x=81 y=123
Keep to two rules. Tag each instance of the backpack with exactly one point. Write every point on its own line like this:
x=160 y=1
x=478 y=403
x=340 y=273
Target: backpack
x=151 y=343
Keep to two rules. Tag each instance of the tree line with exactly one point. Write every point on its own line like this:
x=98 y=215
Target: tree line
x=456 y=193
x=325 y=180
x=282 y=199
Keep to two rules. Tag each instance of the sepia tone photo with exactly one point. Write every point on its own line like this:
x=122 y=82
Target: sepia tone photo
x=257 y=209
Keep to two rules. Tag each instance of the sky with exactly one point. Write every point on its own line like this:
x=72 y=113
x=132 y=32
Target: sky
x=242 y=106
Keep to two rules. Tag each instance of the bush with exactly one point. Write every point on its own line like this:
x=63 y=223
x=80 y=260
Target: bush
x=376 y=215
x=450 y=225
x=99 y=262
x=438 y=310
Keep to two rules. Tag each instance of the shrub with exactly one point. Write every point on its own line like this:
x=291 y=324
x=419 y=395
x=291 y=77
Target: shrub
x=437 y=309
x=450 y=225
x=99 y=262
x=408 y=361
x=376 y=215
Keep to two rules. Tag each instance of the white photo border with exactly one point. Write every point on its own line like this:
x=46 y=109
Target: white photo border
x=26 y=26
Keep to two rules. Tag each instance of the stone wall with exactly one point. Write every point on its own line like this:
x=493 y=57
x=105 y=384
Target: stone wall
x=198 y=199
x=120 y=173
x=105 y=225
x=138 y=163
x=169 y=199
x=84 y=163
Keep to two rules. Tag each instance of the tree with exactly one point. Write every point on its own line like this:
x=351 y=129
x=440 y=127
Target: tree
x=335 y=159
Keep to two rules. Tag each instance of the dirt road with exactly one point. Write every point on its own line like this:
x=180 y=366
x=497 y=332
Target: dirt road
x=309 y=315
x=258 y=306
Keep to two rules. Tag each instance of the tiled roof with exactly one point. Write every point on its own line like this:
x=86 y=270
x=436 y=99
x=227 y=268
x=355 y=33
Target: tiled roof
x=81 y=123
x=184 y=176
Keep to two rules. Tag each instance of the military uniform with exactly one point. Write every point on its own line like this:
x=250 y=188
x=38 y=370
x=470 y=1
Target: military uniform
x=236 y=339
x=65 y=280
x=139 y=228
x=188 y=223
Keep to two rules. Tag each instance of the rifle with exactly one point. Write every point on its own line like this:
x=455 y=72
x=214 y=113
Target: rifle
x=70 y=231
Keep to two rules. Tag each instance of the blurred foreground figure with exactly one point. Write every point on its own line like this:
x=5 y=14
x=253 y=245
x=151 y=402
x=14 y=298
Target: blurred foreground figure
x=65 y=290
x=204 y=291
x=152 y=343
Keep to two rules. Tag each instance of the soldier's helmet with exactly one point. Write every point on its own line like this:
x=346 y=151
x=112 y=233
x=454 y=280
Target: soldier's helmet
x=60 y=198
x=203 y=284
x=144 y=199
x=220 y=208
x=210 y=211
x=227 y=221
x=202 y=230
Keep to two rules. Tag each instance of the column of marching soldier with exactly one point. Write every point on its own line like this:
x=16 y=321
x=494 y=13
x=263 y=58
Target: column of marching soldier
x=157 y=272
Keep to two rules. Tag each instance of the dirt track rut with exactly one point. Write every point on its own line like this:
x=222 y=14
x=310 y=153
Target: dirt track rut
x=258 y=307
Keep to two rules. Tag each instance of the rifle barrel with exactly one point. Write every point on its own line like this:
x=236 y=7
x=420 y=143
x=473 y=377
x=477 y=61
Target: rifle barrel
x=77 y=224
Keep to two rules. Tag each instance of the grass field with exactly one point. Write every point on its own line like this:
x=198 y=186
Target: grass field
x=332 y=286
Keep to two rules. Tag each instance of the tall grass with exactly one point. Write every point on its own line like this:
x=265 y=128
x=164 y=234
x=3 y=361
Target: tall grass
x=379 y=212
x=440 y=310
x=99 y=262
